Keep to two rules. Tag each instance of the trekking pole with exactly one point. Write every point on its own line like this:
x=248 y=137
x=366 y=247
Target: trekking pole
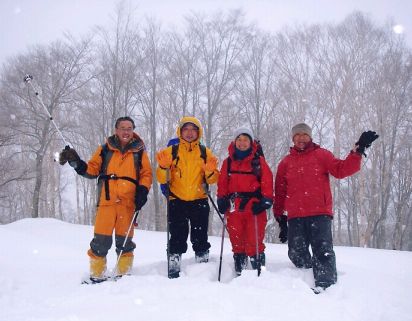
x=258 y=267
x=124 y=243
x=167 y=218
x=221 y=247
x=27 y=79
x=217 y=210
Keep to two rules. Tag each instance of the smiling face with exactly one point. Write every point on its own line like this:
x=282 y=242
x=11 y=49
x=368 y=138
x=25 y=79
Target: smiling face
x=189 y=132
x=301 y=140
x=124 y=131
x=243 y=142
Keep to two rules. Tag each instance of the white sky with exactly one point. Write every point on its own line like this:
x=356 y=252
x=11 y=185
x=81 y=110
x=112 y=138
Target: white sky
x=28 y=22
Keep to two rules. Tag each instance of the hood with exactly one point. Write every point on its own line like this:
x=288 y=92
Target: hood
x=193 y=120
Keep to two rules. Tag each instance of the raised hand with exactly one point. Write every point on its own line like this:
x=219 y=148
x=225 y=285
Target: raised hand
x=164 y=159
x=68 y=155
x=210 y=165
x=365 y=141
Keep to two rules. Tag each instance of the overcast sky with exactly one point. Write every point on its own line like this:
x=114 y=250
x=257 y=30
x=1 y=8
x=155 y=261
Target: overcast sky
x=28 y=22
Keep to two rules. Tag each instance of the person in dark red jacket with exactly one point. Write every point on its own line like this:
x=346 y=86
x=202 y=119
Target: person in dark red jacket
x=302 y=189
x=245 y=190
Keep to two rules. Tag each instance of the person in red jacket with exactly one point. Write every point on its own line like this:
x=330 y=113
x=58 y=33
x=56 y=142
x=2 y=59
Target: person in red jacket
x=302 y=189
x=245 y=190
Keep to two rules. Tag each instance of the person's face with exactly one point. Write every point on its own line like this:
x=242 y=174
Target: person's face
x=242 y=142
x=189 y=132
x=124 y=131
x=301 y=140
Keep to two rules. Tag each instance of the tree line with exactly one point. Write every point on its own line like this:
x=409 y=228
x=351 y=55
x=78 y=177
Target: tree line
x=340 y=78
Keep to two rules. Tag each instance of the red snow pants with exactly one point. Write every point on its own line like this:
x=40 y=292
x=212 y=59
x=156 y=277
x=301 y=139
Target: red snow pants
x=242 y=231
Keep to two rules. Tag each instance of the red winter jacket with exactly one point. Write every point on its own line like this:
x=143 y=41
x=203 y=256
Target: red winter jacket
x=302 y=185
x=244 y=182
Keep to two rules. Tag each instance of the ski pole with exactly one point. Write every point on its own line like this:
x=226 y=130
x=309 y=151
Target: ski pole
x=125 y=240
x=168 y=218
x=217 y=210
x=27 y=79
x=258 y=267
x=221 y=247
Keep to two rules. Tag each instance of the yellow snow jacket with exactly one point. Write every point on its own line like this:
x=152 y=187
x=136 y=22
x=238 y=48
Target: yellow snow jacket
x=187 y=173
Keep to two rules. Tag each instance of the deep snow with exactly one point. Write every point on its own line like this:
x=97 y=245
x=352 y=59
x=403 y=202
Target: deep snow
x=43 y=260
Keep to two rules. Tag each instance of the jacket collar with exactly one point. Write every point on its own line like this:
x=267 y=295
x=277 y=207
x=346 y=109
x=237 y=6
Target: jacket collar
x=188 y=146
x=231 y=150
x=311 y=147
x=135 y=145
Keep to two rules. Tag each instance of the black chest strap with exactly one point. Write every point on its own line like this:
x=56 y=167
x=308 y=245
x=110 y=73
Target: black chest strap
x=106 y=155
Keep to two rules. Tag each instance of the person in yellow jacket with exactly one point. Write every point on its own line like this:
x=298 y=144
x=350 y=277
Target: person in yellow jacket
x=187 y=172
x=125 y=177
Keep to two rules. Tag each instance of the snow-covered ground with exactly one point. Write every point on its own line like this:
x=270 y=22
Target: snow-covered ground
x=43 y=260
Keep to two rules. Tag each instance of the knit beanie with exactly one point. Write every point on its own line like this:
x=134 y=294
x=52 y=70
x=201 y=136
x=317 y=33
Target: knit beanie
x=244 y=131
x=301 y=128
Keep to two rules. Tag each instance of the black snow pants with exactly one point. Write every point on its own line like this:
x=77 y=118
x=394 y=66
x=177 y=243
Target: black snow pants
x=315 y=231
x=181 y=213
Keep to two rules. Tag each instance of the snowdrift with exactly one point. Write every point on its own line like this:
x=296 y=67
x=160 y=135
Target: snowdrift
x=42 y=262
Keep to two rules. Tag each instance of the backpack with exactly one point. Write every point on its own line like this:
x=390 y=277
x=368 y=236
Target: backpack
x=106 y=154
x=174 y=142
x=256 y=168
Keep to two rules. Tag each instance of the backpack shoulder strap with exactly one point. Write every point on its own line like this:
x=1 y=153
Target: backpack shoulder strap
x=203 y=153
x=106 y=155
x=256 y=167
x=137 y=156
x=229 y=166
x=175 y=150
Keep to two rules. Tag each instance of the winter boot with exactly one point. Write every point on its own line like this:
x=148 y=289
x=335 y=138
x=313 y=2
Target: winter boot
x=240 y=262
x=321 y=287
x=174 y=265
x=125 y=265
x=202 y=257
x=261 y=260
x=97 y=268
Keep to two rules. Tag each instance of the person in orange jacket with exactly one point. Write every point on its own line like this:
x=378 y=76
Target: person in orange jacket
x=125 y=177
x=188 y=171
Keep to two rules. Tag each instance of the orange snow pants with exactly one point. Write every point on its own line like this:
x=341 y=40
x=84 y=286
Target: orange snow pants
x=115 y=217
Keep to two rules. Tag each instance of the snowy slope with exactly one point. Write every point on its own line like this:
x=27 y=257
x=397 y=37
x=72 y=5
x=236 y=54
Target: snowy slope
x=43 y=260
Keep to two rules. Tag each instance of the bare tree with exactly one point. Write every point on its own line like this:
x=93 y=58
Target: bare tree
x=59 y=71
x=340 y=78
x=149 y=91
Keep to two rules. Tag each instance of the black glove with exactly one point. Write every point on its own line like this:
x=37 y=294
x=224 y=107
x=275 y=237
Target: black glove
x=69 y=155
x=365 y=141
x=140 y=198
x=223 y=204
x=283 y=225
x=262 y=205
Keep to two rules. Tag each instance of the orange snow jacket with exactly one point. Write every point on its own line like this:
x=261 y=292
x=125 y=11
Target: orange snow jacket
x=121 y=164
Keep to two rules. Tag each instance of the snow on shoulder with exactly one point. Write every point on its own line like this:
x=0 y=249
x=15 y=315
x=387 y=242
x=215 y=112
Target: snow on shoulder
x=43 y=261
